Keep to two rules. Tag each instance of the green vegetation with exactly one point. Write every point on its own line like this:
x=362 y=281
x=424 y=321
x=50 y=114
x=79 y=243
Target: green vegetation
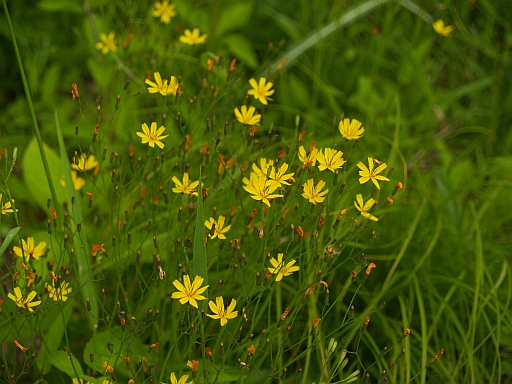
x=174 y=202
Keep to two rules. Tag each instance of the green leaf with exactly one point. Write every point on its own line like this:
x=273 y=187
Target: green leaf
x=241 y=48
x=200 y=257
x=97 y=345
x=85 y=277
x=52 y=340
x=8 y=239
x=63 y=362
x=234 y=17
x=35 y=177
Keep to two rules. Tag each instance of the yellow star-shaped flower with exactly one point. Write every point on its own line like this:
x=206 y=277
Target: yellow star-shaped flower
x=312 y=193
x=21 y=302
x=152 y=137
x=193 y=38
x=308 y=159
x=261 y=91
x=164 y=10
x=260 y=189
x=107 y=43
x=247 y=116
x=85 y=163
x=186 y=187
x=280 y=268
x=444 y=30
x=183 y=379
x=370 y=173
x=7 y=207
x=187 y=292
x=364 y=208
x=351 y=130
x=331 y=159
x=162 y=86
x=220 y=312
x=30 y=250
x=278 y=177
x=219 y=230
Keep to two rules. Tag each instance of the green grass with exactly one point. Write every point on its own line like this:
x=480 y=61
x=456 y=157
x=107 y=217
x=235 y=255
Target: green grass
x=436 y=109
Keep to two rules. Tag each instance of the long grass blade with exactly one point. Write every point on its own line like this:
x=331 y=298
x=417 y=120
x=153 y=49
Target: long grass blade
x=85 y=277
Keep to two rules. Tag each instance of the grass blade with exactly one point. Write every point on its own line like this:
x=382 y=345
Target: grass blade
x=85 y=277
x=200 y=261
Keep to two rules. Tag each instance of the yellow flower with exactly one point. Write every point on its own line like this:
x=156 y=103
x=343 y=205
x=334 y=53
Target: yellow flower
x=81 y=381
x=253 y=181
x=261 y=91
x=30 y=250
x=193 y=38
x=260 y=190
x=331 y=160
x=60 y=293
x=194 y=366
x=308 y=159
x=78 y=182
x=351 y=130
x=152 y=137
x=183 y=379
x=265 y=165
x=219 y=227
x=6 y=208
x=163 y=87
x=164 y=10
x=442 y=29
x=158 y=87
x=364 y=208
x=247 y=116
x=107 y=43
x=189 y=292
x=280 y=269
x=21 y=302
x=187 y=187
x=85 y=163
x=279 y=177
x=313 y=193
x=370 y=173
x=220 y=312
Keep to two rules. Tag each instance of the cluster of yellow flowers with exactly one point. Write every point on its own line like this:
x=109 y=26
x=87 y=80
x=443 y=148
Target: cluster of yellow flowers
x=30 y=251
x=261 y=91
x=191 y=292
x=162 y=10
x=265 y=180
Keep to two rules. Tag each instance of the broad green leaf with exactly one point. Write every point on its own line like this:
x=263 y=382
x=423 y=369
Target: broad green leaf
x=98 y=346
x=234 y=17
x=8 y=239
x=53 y=339
x=63 y=362
x=35 y=178
x=242 y=49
